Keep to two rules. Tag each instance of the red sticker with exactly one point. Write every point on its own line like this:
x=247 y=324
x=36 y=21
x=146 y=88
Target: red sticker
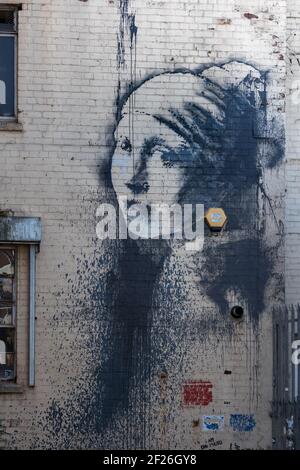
x=197 y=393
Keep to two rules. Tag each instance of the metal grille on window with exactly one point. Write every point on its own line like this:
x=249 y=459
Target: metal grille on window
x=7 y=314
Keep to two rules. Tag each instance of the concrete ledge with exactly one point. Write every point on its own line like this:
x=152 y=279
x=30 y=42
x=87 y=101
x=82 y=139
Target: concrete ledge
x=10 y=126
x=20 y=229
x=10 y=388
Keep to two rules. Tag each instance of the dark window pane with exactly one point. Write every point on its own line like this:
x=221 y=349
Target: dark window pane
x=6 y=289
x=7 y=336
x=7 y=262
x=7 y=20
x=7 y=76
x=7 y=353
x=7 y=367
x=6 y=316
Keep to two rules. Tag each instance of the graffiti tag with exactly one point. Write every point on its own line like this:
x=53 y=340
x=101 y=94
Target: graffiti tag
x=213 y=423
x=242 y=423
x=197 y=393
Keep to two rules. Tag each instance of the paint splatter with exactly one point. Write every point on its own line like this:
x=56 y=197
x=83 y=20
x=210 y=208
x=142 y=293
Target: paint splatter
x=127 y=26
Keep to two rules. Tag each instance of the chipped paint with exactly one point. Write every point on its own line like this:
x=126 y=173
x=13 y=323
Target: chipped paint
x=224 y=21
x=250 y=16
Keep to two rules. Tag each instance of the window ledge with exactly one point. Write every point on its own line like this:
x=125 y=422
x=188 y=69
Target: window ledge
x=10 y=388
x=11 y=126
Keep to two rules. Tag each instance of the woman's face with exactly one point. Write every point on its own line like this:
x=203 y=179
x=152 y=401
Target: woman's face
x=145 y=164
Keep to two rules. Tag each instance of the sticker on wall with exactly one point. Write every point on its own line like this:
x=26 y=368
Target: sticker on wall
x=216 y=219
x=197 y=393
x=213 y=423
x=242 y=423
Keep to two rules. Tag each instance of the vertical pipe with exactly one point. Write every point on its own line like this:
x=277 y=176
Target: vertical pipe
x=290 y=341
x=295 y=337
x=32 y=268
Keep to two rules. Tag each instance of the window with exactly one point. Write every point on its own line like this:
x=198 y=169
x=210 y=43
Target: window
x=8 y=59
x=7 y=314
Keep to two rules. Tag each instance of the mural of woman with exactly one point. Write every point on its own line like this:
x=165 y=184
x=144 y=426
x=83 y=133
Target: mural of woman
x=188 y=138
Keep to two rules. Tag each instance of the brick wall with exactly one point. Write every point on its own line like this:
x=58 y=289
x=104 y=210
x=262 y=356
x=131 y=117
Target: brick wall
x=292 y=172
x=122 y=329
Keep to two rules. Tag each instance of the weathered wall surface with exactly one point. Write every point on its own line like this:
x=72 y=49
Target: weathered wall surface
x=182 y=103
x=292 y=153
x=286 y=346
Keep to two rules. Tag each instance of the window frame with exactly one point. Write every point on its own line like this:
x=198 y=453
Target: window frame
x=13 y=325
x=15 y=8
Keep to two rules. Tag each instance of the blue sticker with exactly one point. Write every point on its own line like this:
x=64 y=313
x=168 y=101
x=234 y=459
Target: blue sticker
x=242 y=423
x=213 y=423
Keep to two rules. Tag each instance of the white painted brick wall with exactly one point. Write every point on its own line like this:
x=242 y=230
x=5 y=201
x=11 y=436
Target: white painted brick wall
x=67 y=86
x=293 y=154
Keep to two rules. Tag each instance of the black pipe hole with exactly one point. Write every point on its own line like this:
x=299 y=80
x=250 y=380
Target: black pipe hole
x=237 y=311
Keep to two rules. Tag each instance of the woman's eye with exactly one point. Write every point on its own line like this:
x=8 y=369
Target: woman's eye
x=168 y=159
x=167 y=164
x=126 y=145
